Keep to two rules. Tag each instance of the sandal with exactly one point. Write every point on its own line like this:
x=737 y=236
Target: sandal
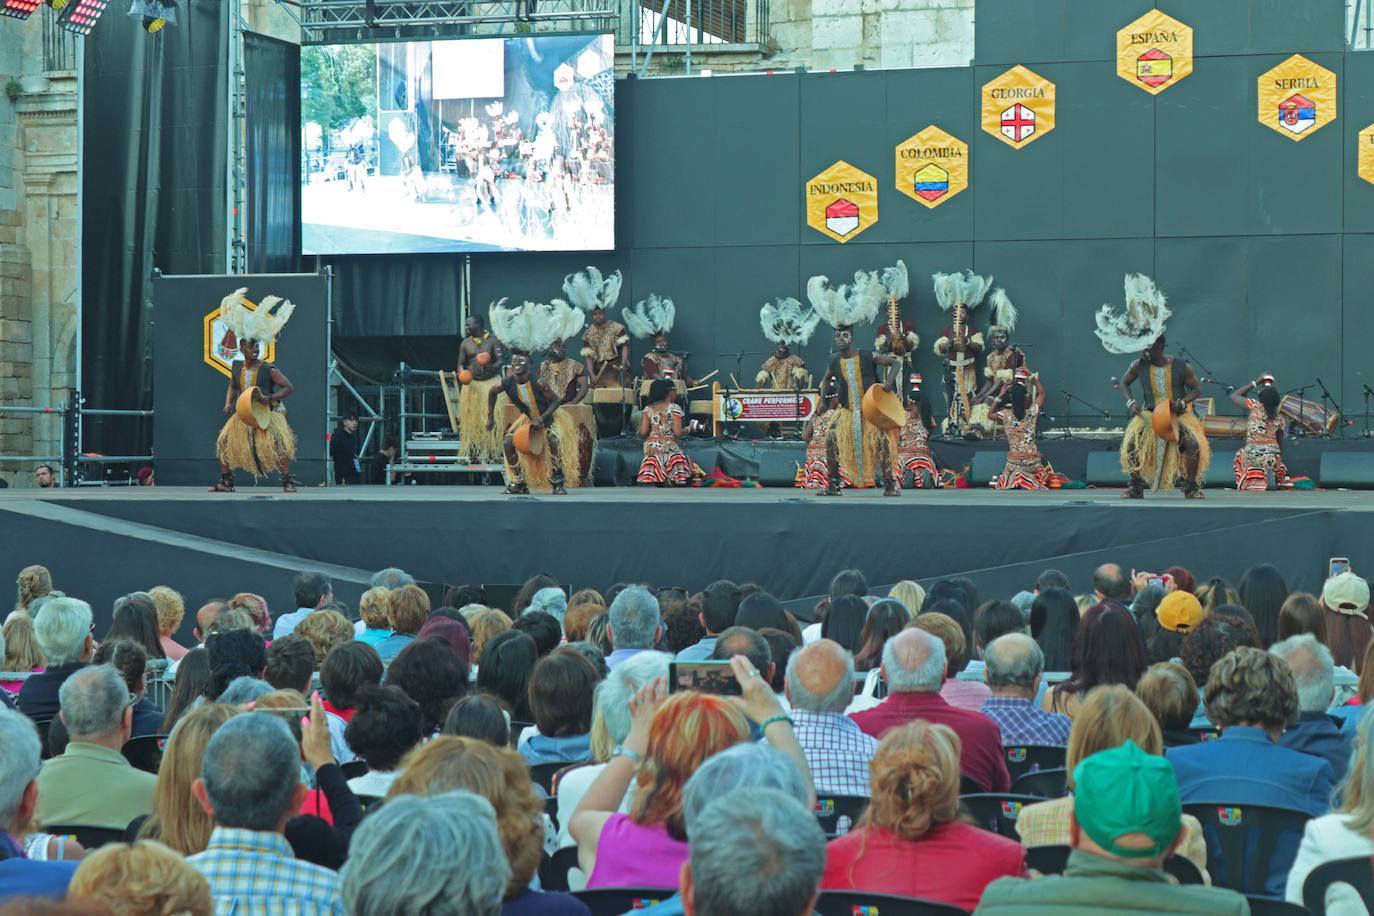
x=225 y=484
x=288 y=483
x=516 y=489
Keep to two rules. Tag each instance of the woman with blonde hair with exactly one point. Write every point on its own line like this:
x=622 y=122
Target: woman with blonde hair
x=34 y=582
x=325 y=629
x=407 y=609
x=171 y=608
x=178 y=820
x=913 y=820
x=1107 y=717
x=485 y=624
x=372 y=609
x=501 y=776
x=142 y=879
x=21 y=650
x=910 y=593
x=255 y=606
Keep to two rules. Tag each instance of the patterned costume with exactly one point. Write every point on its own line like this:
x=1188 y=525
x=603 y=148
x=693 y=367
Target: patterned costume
x=813 y=475
x=663 y=365
x=999 y=366
x=562 y=376
x=547 y=470
x=782 y=373
x=664 y=460
x=589 y=291
x=1147 y=457
x=1025 y=468
x=865 y=452
x=602 y=345
x=960 y=294
x=914 y=455
x=786 y=323
x=1259 y=462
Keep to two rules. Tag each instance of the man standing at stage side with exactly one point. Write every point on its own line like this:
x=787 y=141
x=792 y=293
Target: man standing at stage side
x=865 y=451
x=479 y=371
x=1146 y=457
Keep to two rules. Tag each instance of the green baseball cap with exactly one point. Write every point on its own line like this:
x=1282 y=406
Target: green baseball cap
x=1127 y=791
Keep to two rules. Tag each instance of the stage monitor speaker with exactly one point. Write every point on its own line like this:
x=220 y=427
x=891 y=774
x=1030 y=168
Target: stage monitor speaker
x=1221 y=473
x=777 y=468
x=1347 y=470
x=986 y=468
x=1104 y=470
x=606 y=467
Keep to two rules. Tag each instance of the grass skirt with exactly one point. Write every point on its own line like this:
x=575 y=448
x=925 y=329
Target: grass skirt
x=1157 y=460
x=537 y=470
x=872 y=448
x=478 y=443
x=257 y=451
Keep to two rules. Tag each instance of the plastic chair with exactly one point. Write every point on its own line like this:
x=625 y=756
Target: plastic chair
x=1273 y=906
x=1206 y=734
x=1052 y=860
x=1243 y=843
x=849 y=903
x=1029 y=758
x=616 y=901
x=44 y=726
x=1355 y=872
x=970 y=786
x=542 y=774
x=1044 y=783
x=830 y=808
x=553 y=870
x=997 y=811
x=145 y=752
x=89 y=837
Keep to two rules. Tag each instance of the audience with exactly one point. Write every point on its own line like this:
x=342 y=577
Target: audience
x=250 y=785
x=1176 y=615
x=761 y=611
x=178 y=820
x=819 y=686
x=844 y=622
x=543 y=628
x=255 y=606
x=910 y=594
x=992 y=620
x=579 y=619
x=91 y=784
x=551 y=600
x=20 y=755
x=234 y=653
x=347 y=670
x=135 y=619
x=451 y=631
x=507 y=663
x=1107 y=649
x=1112 y=585
x=407 y=609
x=1054 y=624
x=964 y=694
x=373 y=625
x=1216 y=592
x=719 y=604
x=1014 y=666
x=170 y=608
x=143 y=878
x=1302 y=613
x=129 y=659
x=632 y=624
x=914 y=668
x=561 y=689
x=290 y=663
x=192 y=683
x=433 y=856
x=325 y=629
x=312 y=590
x=1314 y=676
x=62 y=628
x=1125 y=823
x=486 y=624
x=1345 y=599
x=1207 y=645
x=385 y=726
x=1169 y=692
x=886 y=618
x=481 y=716
x=34 y=582
x=433 y=675
x=20 y=650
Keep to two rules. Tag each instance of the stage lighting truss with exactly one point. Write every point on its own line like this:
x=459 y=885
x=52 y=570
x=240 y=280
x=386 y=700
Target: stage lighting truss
x=19 y=9
x=80 y=16
x=345 y=21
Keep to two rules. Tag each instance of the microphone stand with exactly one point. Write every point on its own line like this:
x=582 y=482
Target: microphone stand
x=1293 y=425
x=1069 y=398
x=1367 y=394
x=1329 y=399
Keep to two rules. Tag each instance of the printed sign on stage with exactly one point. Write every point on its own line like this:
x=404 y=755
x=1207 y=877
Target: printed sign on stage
x=1297 y=98
x=222 y=347
x=1018 y=107
x=1366 y=154
x=765 y=406
x=842 y=201
x=932 y=166
x=1154 y=52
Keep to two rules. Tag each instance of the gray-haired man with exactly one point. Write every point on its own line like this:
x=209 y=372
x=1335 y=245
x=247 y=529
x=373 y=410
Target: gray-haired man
x=19 y=761
x=1314 y=674
x=820 y=685
x=633 y=623
x=62 y=629
x=1014 y=665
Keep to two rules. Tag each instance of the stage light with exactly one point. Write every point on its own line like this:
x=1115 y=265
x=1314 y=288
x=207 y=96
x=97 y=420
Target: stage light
x=80 y=16
x=19 y=9
x=156 y=14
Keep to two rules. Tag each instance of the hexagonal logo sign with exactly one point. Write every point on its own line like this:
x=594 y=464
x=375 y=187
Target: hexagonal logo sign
x=842 y=201
x=1297 y=98
x=1018 y=107
x=1154 y=52
x=222 y=347
x=932 y=166
x=1365 y=157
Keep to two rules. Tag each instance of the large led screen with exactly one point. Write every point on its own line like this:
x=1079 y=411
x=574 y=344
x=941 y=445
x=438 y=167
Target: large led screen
x=472 y=144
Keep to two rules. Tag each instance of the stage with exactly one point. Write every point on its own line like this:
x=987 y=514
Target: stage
x=101 y=542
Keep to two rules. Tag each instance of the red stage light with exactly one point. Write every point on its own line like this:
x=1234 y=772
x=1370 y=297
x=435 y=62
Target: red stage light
x=80 y=16
x=19 y=9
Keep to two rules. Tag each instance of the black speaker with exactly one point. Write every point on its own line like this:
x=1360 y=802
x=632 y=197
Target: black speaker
x=986 y=468
x=778 y=467
x=1348 y=470
x=1221 y=473
x=1104 y=470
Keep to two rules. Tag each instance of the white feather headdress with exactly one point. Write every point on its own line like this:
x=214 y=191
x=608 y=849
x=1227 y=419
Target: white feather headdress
x=262 y=324
x=1004 y=314
x=788 y=321
x=534 y=325
x=850 y=304
x=966 y=289
x=895 y=280
x=1142 y=322
x=587 y=290
x=650 y=316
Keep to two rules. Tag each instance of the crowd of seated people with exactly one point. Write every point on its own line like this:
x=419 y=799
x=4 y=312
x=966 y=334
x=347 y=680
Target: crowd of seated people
x=1043 y=752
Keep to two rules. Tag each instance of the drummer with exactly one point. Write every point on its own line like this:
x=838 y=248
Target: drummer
x=538 y=402
x=1259 y=462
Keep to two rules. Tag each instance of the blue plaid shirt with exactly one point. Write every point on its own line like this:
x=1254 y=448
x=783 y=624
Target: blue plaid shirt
x=1022 y=723
x=837 y=751
x=254 y=873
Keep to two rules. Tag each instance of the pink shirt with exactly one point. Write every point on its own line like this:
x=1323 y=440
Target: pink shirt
x=966 y=694
x=632 y=855
x=13 y=686
x=174 y=650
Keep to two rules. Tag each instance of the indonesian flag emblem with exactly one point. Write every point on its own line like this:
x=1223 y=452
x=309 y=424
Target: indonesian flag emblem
x=842 y=217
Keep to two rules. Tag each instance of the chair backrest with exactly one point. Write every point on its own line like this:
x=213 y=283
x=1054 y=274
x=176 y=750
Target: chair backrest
x=616 y=901
x=858 y=903
x=542 y=775
x=553 y=870
x=1273 y=906
x=551 y=810
x=353 y=769
x=558 y=776
x=970 y=786
x=1250 y=848
x=997 y=811
x=838 y=814
x=1052 y=860
x=89 y=837
x=43 y=726
x=1206 y=734
x=145 y=752
x=1028 y=758
x=1355 y=872
x=1044 y=783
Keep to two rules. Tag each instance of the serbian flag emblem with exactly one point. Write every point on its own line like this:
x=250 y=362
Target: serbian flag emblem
x=1297 y=113
x=1018 y=122
x=932 y=182
x=842 y=217
x=1154 y=68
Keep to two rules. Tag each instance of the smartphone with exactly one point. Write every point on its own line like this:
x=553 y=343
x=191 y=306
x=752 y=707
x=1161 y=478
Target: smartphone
x=706 y=677
x=1338 y=565
x=1157 y=581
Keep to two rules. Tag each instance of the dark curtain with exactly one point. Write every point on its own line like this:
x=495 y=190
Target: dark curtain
x=396 y=295
x=273 y=146
x=153 y=154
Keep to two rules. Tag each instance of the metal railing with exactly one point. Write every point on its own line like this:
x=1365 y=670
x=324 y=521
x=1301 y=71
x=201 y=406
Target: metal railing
x=1360 y=16
x=73 y=459
x=59 y=46
x=650 y=27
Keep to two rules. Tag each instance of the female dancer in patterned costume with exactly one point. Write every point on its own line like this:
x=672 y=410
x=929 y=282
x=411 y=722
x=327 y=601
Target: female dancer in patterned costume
x=1259 y=462
x=1025 y=468
x=661 y=426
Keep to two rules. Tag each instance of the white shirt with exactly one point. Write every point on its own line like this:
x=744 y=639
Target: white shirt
x=571 y=787
x=373 y=784
x=811 y=634
x=1326 y=839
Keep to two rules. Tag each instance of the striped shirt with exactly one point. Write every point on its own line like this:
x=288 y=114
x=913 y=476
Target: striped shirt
x=254 y=873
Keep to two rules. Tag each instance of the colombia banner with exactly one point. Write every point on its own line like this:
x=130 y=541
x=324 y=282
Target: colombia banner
x=932 y=166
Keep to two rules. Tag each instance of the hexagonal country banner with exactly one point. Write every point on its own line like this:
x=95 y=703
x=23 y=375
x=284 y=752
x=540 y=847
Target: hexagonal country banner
x=932 y=166
x=1154 y=52
x=222 y=347
x=1297 y=98
x=1365 y=156
x=842 y=201
x=1018 y=107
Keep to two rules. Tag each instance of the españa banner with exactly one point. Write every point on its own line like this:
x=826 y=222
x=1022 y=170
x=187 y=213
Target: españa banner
x=1154 y=52
x=932 y=166
x=842 y=201
x=1366 y=154
x=1018 y=107
x=1297 y=98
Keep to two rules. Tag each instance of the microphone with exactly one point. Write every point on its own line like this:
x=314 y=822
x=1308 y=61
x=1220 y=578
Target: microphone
x=1116 y=385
